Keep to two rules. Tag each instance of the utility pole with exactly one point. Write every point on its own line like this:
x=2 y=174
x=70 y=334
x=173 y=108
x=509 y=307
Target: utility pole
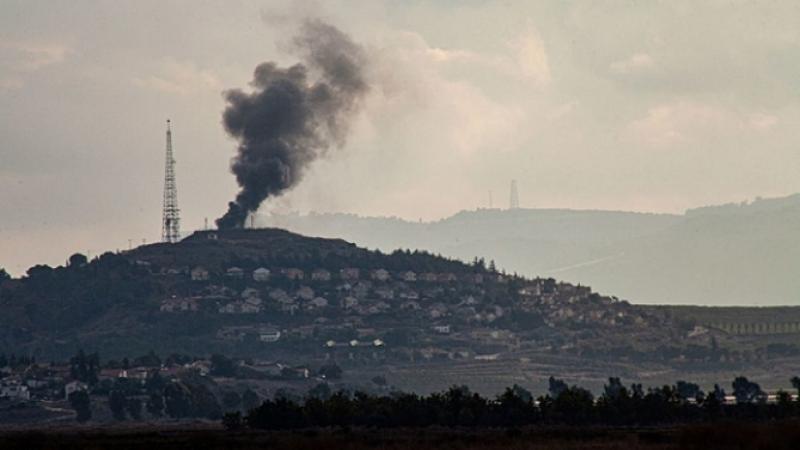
x=170 y=225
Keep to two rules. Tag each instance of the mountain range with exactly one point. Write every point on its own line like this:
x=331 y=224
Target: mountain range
x=733 y=254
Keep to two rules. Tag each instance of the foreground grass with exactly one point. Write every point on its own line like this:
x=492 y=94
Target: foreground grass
x=728 y=435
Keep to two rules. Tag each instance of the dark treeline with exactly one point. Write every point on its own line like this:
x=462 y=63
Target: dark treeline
x=618 y=405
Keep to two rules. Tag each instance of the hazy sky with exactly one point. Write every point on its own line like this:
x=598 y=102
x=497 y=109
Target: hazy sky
x=652 y=106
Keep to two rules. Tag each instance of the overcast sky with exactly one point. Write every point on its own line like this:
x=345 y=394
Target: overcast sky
x=649 y=106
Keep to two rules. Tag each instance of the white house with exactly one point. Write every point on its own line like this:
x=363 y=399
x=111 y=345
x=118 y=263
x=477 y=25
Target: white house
x=428 y=276
x=199 y=274
x=319 y=302
x=442 y=329
x=349 y=273
x=235 y=272
x=385 y=293
x=321 y=275
x=269 y=335
x=230 y=308
x=254 y=301
x=250 y=293
x=280 y=296
x=261 y=274
x=380 y=275
x=179 y=305
x=294 y=274
x=446 y=277
x=408 y=276
x=305 y=293
x=410 y=306
x=14 y=390
x=74 y=386
x=349 y=302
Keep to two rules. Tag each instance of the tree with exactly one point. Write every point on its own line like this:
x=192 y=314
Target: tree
x=784 y=402
x=39 y=272
x=117 y=401
x=155 y=382
x=688 y=391
x=747 y=391
x=77 y=260
x=250 y=400
x=719 y=393
x=331 y=371
x=81 y=403
x=614 y=389
x=556 y=386
x=574 y=405
x=522 y=393
x=321 y=391
x=134 y=408
x=221 y=366
x=85 y=367
x=796 y=384
x=231 y=400
x=232 y=421
x=4 y=276
x=155 y=405
x=148 y=360
x=712 y=405
x=177 y=400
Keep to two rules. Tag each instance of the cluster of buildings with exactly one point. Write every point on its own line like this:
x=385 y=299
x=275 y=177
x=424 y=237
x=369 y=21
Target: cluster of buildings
x=463 y=309
x=361 y=292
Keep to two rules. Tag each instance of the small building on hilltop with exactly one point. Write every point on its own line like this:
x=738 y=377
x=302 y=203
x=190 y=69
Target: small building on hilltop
x=235 y=272
x=305 y=293
x=294 y=274
x=199 y=274
x=428 y=276
x=261 y=274
x=321 y=275
x=380 y=275
x=14 y=390
x=408 y=276
x=350 y=274
x=269 y=335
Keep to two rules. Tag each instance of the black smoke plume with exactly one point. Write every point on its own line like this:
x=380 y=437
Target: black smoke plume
x=292 y=116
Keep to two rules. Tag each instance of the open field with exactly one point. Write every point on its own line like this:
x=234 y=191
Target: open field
x=775 y=435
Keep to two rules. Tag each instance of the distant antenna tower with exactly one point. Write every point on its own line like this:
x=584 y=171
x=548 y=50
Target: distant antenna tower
x=513 y=202
x=171 y=224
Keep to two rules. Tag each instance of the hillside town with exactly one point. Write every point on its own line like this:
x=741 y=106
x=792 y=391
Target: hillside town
x=468 y=313
x=285 y=308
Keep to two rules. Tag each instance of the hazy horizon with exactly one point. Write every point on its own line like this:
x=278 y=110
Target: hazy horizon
x=261 y=220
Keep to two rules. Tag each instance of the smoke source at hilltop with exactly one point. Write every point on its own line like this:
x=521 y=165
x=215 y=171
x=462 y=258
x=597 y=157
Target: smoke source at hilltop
x=292 y=116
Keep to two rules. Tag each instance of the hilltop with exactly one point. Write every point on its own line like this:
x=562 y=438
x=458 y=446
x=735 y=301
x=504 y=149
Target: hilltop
x=270 y=296
x=734 y=254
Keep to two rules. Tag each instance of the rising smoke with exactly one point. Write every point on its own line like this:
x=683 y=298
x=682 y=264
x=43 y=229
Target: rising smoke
x=292 y=116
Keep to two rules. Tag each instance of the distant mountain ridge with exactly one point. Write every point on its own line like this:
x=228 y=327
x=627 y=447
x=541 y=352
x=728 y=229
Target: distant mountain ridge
x=734 y=254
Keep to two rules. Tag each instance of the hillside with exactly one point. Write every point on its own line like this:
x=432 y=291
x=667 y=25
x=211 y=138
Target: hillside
x=736 y=254
x=272 y=295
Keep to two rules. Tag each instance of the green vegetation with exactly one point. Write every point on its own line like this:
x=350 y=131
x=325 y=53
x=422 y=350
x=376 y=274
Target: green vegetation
x=564 y=405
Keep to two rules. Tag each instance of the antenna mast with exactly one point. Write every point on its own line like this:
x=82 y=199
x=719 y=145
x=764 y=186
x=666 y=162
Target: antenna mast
x=513 y=202
x=170 y=226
